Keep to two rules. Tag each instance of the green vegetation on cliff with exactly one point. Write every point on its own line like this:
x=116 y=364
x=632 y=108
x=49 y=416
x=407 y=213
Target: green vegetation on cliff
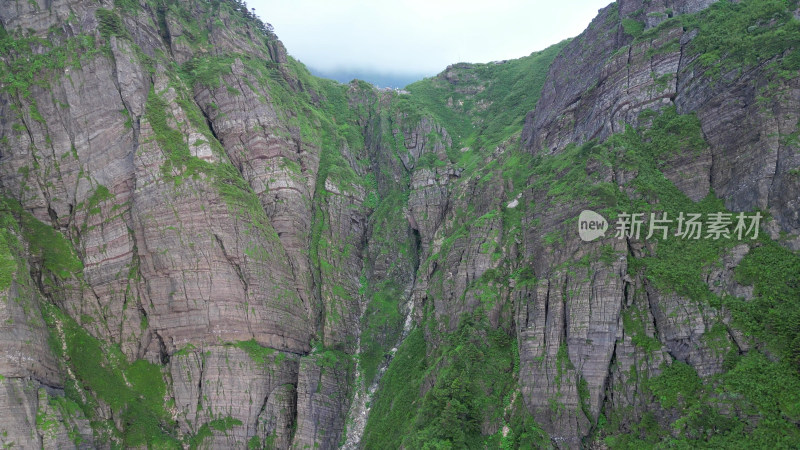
x=443 y=396
x=481 y=105
x=739 y=35
x=44 y=243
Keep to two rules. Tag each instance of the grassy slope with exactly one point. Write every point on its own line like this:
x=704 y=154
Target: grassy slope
x=505 y=93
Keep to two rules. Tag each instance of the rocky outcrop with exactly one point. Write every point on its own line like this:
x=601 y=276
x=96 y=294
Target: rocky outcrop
x=167 y=148
x=32 y=404
x=35 y=419
x=193 y=232
x=596 y=90
x=228 y=382
x=321 y=402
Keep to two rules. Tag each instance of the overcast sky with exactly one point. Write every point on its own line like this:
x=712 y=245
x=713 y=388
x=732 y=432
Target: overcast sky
x=414 y=37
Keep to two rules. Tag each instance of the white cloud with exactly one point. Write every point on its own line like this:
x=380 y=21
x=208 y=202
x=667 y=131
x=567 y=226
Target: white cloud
x=418 y=36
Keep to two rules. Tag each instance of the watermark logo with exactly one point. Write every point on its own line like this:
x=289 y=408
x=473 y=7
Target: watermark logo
x=591 y=225
x=714 y=226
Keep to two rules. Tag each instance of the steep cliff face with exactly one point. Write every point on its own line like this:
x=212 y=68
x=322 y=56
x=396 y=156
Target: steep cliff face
x=677 y=107
x=203 y=187
x=711 y=96
x=204 y=245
